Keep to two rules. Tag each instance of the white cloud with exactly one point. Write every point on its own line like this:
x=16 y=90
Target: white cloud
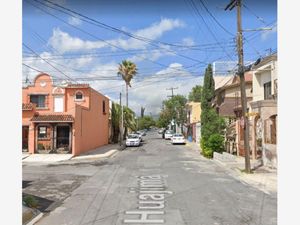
x=150 y=92
x=266 y=34
x=64 y=42
x=188 y=41
x=74 y=21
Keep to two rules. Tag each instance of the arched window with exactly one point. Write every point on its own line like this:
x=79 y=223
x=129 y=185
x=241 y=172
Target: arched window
x=78 y=96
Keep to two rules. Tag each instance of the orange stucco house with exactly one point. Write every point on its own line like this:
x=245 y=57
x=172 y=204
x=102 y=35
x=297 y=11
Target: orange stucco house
x=70 y=118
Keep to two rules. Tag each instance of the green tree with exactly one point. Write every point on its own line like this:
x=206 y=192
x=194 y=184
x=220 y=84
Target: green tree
x=127 y=70
x=115 y=122
x=174 y=109
x=212 y=125
x=145 y=122
x=163 y=120
x=128 y=117
x=195 y=94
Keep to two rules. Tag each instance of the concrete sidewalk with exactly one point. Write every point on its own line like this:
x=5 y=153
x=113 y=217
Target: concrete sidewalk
x=263 y=178
x=98 y=153
x=46 y=158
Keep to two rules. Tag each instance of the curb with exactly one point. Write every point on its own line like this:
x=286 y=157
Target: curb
x=108 y=154
x=35 y=219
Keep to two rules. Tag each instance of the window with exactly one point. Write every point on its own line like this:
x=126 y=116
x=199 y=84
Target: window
x=267 y=91
x=79 y=96
x=39 y=100
x=42 y=132
x=103 y=107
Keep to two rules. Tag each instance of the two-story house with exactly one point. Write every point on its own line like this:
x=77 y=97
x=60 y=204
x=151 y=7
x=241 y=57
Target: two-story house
x=193 y=110
x=70 y=118
x=263 y=116
x=227 y=102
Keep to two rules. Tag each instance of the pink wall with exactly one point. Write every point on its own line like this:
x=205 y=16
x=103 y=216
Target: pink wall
x=90 y=126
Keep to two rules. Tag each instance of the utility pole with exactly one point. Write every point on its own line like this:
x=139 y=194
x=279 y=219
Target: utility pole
x=172 y=89
x=174 y=119
x=240 y=73
x=121 y=125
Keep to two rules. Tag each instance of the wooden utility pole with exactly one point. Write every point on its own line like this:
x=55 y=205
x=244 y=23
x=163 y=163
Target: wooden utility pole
x=240 y=73
x=172 y=89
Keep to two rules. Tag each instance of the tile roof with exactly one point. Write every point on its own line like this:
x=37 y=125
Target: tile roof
x=78 y=86
x=27 y=106
x=53 y=118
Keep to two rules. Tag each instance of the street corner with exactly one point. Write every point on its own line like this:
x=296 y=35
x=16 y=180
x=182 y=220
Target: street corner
x=108 y=154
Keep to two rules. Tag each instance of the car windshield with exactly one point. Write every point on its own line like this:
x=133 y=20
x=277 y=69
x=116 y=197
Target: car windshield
x=177 y=135
x=169 y=132
x=132 y=136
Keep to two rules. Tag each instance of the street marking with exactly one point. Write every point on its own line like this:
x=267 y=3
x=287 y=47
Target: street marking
x=151 y=192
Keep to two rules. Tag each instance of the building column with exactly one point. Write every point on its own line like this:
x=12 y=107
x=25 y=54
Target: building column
x=253 y=140
x=31 y=138
x=237 y=140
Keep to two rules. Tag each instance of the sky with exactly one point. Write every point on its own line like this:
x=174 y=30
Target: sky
x=171 y=42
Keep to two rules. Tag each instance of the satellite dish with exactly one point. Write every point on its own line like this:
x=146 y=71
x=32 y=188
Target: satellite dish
x=257 y=61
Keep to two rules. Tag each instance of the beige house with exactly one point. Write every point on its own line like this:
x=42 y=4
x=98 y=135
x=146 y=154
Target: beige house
x=193 y=120
x=227 y=102
x=263 y=116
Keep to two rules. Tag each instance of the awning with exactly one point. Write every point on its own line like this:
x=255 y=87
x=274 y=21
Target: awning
x=52 y=118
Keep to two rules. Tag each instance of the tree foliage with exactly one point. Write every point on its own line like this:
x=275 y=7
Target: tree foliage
x=195 y=94
x=174 y=108
x=127 y=70
x=128 y=117
x=212 y=125
x=145 y=122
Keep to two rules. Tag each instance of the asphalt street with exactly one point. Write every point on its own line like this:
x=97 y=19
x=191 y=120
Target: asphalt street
x=157 y=183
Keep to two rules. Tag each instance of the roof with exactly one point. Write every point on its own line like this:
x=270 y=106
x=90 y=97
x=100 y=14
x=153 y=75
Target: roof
x=27 y=106
x=227 y=107
x=78 y=86
x=265 y=60
x=53 y=118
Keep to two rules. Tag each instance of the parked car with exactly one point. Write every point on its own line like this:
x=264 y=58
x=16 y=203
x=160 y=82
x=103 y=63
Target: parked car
x=168 y=134
x=133 y=140
x=143 y=132
x=178 y=139
x=139 y=134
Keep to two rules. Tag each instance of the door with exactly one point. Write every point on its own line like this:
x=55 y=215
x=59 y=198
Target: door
x=58 y=104
x=25 y=130
x=63 y=137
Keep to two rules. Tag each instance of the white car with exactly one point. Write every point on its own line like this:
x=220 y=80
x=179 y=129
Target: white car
x=168 y=134
x=133 y=140
x=178 y=139
x=138 y=134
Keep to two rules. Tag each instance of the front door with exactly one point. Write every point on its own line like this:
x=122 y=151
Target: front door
x=63 y=138
x=25 y=130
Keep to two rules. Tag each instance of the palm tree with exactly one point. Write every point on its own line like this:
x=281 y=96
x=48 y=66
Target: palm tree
x=127 y=70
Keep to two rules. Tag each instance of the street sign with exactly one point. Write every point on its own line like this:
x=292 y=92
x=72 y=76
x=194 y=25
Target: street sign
x=252 y=114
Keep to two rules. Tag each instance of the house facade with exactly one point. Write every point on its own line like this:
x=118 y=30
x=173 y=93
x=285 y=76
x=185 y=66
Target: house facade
x=263 y=116
x=70 y=118
x=193 y=126
x=227 y=102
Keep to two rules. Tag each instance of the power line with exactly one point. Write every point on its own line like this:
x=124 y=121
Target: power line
x=105 y=26
x=26 y=46
x=215 y=19
x=208 y=28
x=97 y=38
